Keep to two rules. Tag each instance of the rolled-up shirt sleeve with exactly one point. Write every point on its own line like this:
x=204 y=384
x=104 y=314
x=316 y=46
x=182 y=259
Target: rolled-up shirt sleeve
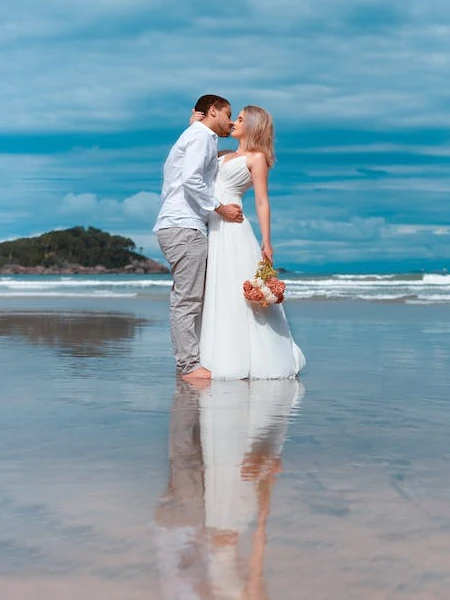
x=200 y=156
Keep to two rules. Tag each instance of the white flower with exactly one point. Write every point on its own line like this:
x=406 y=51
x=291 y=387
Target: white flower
x=269 y=297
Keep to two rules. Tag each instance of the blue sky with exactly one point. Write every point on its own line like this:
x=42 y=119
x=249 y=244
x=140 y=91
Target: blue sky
x=94 y=92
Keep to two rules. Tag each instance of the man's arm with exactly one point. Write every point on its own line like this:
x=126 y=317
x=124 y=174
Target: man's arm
x=230 y=212
x=199 y=153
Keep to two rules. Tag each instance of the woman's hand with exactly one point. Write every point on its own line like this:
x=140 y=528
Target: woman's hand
x=267 y=252
x=196 y=116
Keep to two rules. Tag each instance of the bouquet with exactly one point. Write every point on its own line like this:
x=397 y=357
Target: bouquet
x=265 y=288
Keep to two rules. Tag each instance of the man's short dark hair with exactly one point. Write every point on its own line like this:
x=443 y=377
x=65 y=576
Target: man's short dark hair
x=204 y=103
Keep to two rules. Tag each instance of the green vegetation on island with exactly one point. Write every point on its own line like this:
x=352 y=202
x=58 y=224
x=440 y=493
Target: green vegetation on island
x=77 y=248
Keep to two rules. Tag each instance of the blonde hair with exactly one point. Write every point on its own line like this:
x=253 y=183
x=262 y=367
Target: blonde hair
x=258 y=129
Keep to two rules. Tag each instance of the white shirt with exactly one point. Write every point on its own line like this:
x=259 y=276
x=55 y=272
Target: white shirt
x=189 y=175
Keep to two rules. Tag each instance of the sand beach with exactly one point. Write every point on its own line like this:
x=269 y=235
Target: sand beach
x=117 y=482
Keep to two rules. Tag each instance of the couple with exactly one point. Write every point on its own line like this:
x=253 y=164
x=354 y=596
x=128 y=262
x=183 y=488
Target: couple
x=203 y=234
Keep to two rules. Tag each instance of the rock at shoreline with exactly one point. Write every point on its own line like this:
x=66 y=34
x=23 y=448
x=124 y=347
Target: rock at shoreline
x=75 y=251
x=136 y=267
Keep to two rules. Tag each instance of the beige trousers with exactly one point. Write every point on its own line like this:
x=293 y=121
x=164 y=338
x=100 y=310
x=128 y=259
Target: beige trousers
x=186 y=250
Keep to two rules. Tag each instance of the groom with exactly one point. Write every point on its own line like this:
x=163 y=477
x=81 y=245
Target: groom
x=187 y=200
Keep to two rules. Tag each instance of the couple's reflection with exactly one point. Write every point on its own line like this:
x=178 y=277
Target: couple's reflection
x=224 y=453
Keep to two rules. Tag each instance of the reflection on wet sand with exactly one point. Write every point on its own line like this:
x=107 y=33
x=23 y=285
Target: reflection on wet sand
x=360 y=511
x=225 y=451
x=77 y=333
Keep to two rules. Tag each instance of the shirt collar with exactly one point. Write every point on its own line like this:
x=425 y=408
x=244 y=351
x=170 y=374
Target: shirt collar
x=200 y=124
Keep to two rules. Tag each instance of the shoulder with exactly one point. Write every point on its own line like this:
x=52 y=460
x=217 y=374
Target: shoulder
x=186 y=137
x=197 y=129
x=256 y=160
x=198 y=138
x=224 y=152
x=194 y=132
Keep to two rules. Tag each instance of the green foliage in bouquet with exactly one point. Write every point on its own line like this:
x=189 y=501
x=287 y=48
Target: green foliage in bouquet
x=265 y=270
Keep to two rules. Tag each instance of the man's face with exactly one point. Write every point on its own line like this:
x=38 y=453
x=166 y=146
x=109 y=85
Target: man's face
x=223 y=124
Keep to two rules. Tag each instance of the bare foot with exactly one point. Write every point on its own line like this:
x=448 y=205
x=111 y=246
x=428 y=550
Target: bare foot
x=199 y=373
x=198 y=384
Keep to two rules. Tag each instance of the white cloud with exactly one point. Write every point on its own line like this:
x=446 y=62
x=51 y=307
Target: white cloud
x=147 y=241
x=139 y=209
x=401 y=243
x=101 y=64
x=78 y=204
x=437 y=150
x=142 y=205
x=424 y=184
x=396 y=230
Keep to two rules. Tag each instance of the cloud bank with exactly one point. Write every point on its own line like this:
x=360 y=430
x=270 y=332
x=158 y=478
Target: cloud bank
x=94 y=92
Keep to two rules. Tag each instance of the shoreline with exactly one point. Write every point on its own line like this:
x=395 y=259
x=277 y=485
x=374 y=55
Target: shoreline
x=157 y=305
x=149 y=282
x=142 y=267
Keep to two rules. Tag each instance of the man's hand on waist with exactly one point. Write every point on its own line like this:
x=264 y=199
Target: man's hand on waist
x=230 y=212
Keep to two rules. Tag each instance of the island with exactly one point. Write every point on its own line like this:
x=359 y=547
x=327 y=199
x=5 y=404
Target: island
x=73 y=251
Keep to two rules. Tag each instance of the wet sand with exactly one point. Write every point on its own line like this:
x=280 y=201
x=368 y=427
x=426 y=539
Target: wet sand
x=117 y=482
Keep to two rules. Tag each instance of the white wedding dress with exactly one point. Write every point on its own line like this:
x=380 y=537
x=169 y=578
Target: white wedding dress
x=239 y=340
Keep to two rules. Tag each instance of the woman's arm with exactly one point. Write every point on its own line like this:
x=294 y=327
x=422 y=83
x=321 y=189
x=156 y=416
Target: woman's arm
x=259 y=170
x=196 y=115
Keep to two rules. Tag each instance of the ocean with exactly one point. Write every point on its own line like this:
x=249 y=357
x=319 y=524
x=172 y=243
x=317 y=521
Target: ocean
x=424 y=288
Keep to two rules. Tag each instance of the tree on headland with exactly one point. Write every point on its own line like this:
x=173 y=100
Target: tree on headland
x=87 y=247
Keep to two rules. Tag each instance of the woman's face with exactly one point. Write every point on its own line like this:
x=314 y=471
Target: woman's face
x=238 y=129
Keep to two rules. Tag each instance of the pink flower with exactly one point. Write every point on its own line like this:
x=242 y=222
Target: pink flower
x=252 y=292
x=265 y=288
x=276 y=286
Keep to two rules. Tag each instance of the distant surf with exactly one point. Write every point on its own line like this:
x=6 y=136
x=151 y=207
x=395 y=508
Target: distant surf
x=400 y=288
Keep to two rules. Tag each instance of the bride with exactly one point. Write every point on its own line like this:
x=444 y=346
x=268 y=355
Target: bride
x=240 y=340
